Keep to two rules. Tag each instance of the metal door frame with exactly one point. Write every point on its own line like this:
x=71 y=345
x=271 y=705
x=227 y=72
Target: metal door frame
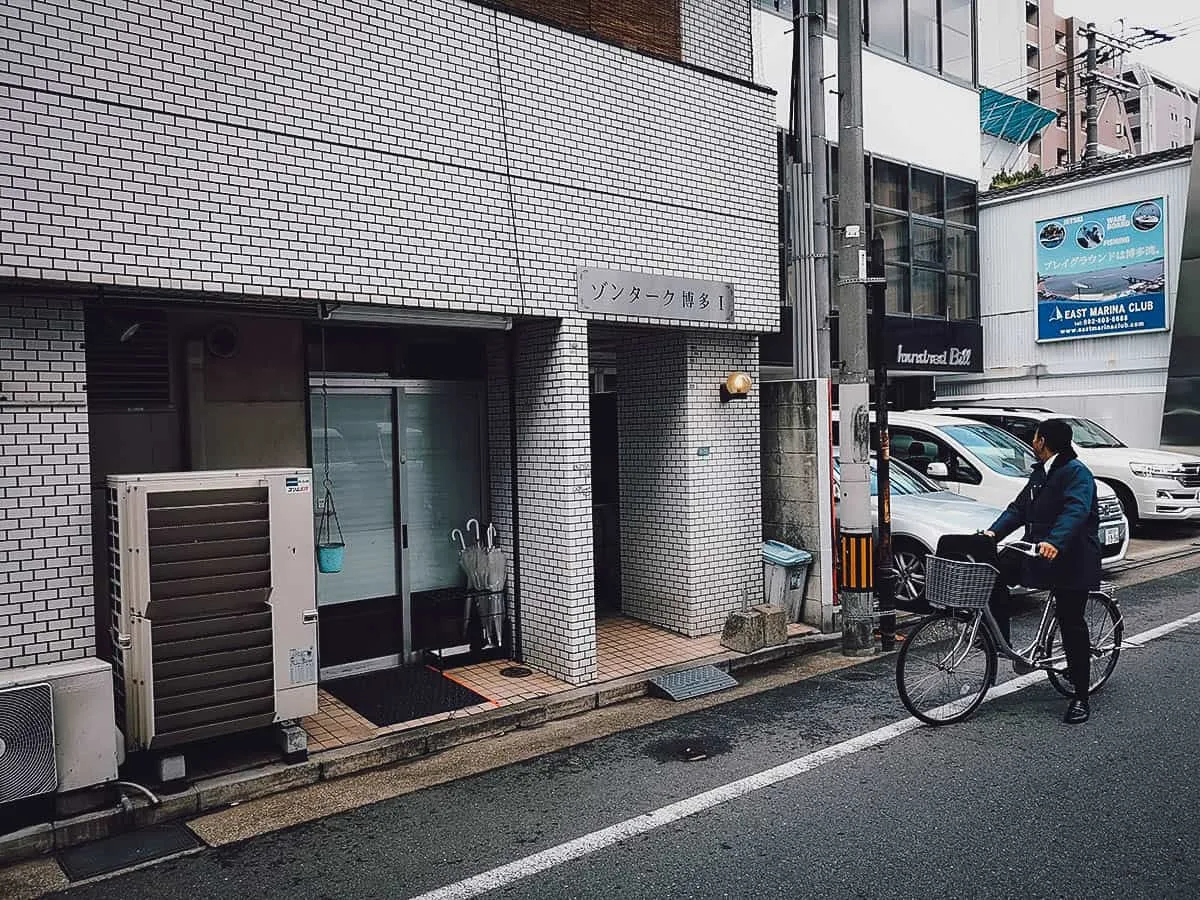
x=399 y=388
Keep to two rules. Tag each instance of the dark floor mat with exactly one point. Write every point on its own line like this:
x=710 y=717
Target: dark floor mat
x=124 y=850
x=396 y=695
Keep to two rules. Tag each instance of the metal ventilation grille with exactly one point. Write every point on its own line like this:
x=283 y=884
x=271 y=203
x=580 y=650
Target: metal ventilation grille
x=27 y=764
x=128 y=357
x=210 y=576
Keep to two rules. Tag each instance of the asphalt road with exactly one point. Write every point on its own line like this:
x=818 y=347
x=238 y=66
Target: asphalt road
x=1010 y=803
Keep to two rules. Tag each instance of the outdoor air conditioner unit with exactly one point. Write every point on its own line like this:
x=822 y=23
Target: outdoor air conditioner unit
x=56 y=729
x=213 y=594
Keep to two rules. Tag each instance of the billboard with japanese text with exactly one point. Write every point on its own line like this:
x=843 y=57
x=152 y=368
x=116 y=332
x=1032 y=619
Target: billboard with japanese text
x=1103 y=272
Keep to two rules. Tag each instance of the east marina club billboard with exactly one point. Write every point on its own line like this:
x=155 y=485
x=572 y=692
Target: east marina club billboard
x=1103 y=272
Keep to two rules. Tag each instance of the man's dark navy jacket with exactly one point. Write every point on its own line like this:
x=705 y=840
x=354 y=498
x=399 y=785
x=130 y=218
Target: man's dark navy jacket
x=1060 y=508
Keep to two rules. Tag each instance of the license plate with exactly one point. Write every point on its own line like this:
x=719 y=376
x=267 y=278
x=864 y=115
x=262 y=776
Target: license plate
x=1112 y=536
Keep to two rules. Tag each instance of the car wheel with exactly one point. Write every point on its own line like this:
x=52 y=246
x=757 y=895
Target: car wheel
x=909 y=558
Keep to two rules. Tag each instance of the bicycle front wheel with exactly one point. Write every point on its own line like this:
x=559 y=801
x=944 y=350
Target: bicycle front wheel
x=1105 y=628
x=945 y=668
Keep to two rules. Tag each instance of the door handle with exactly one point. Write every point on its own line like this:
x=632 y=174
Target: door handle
x=404 y=537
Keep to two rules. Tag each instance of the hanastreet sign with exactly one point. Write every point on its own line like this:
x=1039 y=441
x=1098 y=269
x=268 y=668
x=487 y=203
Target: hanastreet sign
x=635 y=294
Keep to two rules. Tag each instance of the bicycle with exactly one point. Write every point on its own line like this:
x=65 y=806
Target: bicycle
x=948 y=663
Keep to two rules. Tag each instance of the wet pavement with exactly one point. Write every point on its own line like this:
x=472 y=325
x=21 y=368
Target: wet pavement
x=1011 y=802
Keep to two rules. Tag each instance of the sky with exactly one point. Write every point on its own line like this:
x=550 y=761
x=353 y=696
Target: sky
x=1178 y=59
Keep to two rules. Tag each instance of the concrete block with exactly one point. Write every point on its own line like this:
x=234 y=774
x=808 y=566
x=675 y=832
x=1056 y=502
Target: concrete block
x=774 y=624
x=242 y=786
x=26 y=842
x=89 y=827
x=474 y=729
x=384 y=751
x=745 y=631
x=631 y=688
x=292 y=741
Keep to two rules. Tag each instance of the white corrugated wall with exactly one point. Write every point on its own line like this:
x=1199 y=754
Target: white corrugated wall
x=1118 y=381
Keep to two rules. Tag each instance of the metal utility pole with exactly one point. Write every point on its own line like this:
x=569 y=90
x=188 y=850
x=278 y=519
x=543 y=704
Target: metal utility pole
x=857 y=558
x=885 y=574
x=806 y=189
x=1092 y=147
x=820 y=180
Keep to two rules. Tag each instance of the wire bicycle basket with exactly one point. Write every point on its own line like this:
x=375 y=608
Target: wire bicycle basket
x=953 y=584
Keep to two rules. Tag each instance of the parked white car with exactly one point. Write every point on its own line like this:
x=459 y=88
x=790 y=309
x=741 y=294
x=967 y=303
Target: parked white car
x=1151 y=484
x=982 y=462
x=922 y=512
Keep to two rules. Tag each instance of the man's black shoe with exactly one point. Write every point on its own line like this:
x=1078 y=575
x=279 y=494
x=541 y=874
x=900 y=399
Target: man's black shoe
x=1077 y=712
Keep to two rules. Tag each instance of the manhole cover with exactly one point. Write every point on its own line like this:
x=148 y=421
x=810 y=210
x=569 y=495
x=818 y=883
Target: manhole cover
x=858 y=674
x=516 y=672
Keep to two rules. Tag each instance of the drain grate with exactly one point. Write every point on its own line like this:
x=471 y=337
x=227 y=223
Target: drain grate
x=125 y=850
x=691 y=683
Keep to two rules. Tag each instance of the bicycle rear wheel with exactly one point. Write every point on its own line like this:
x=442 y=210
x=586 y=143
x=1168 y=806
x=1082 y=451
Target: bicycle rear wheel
x=1105 y=628
x=945 y=668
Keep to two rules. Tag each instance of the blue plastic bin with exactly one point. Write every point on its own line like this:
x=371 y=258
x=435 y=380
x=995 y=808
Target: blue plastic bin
x=785 y=577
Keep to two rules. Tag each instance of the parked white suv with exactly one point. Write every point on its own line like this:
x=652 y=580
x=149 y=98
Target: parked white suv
x=983 y=462
x=1151 y=484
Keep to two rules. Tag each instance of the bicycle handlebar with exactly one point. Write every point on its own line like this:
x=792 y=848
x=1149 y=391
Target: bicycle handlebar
x=1025 y=547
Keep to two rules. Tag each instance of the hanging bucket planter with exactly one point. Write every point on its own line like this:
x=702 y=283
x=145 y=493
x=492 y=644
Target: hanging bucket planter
x=331 y=551
x=330 y=558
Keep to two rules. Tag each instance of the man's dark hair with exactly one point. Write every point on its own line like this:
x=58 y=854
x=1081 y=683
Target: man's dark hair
x=1056 y=433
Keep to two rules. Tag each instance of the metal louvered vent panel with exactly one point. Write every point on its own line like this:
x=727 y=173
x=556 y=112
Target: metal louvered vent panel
x=128 y=356
x=210 y=624
x=27 y=759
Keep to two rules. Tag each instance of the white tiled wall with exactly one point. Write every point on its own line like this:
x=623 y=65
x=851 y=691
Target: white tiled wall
x=45 y=514
x=357 y=153
x=715 y=36
x=558 y=610
x=690 y=488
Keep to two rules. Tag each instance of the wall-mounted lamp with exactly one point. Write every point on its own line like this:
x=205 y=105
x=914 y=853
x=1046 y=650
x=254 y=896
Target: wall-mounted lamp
x=736 y=387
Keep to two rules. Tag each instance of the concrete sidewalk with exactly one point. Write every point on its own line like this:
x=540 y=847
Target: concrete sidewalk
x=209 y=794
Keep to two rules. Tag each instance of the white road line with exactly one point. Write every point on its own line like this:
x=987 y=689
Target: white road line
x=614 y=834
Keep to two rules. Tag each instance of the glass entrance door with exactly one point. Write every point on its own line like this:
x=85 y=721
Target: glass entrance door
x=399 y=492
x=361 y=609
x=443 y=464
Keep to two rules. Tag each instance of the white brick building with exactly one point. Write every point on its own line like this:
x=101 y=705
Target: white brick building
x=179 y=166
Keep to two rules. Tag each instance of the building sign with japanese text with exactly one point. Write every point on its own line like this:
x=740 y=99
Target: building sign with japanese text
x=1103 y=272
x=634 y=294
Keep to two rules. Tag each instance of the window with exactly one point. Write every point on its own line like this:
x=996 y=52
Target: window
x=885 y=25
x=920 y=448
x=1060 y=41
x=927 y=193
x=927 y=222
x=996 y=449
x=962 y=297
x=928 y=288
x=1135 y=134
x=1063 y=157
x=890 y=185
x=958 y=39
x=1087 y=433
x=1031 y=13
x=1033 y=95
x=1060 y=80
x=1187 y=122
x=961 y=197
x=962 y=252
x=923 y=33
x=936 y=35
x=927 y=243
x=1060 y=119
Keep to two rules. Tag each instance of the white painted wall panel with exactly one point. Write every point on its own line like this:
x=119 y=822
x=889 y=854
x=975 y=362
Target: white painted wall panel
x=1119 y=381
x=908 y=115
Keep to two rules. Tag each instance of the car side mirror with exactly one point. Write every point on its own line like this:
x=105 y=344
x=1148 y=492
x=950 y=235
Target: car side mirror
x=937 y=470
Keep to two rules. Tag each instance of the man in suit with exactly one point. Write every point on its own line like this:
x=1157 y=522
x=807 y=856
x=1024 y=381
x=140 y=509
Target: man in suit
x=1060 y=513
